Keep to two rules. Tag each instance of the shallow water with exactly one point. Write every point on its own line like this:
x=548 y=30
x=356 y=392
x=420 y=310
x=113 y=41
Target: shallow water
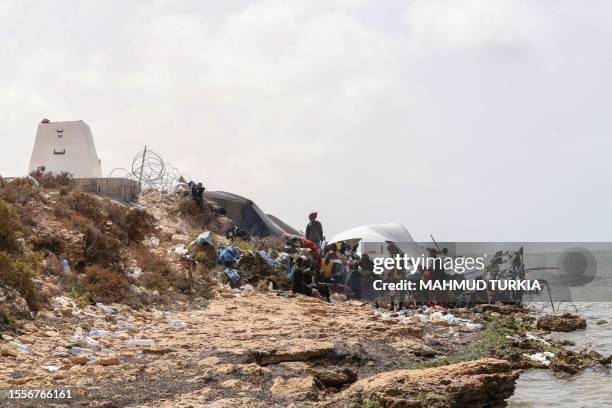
x=593 y=388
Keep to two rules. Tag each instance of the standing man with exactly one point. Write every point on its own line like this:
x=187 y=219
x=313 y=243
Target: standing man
x=314 y=230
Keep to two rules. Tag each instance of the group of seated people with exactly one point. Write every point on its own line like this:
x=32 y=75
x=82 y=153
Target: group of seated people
x=334 y=267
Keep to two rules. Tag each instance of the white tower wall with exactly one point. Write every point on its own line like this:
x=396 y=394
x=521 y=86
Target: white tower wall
x=66 y=146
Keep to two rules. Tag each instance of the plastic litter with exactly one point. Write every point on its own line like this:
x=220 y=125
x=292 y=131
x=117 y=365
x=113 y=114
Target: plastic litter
x=233 y=276
x=180 y=249
x=51 y=368
x=21 y=347
x=136 y=272
x=66 y=266
x=543 y=358
x=179 y=324
x=267 y=259
x=78 y=335
x=227 y=254
x=154 y=242
x=123 y=323
x=98 y=333
x=81 y=351
x=106 y=309
x=205 y=238
x=140 y=342
x=167 y=313
x=90 y=341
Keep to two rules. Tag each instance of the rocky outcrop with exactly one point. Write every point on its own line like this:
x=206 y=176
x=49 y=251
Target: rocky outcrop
x=571 y=362
x=304 y=351
x=485 y=382
x=563 y=323
x=13 y=304
x=334 y=377
x=297 y=388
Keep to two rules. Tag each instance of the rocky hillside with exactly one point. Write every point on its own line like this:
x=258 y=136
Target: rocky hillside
x=110 y=302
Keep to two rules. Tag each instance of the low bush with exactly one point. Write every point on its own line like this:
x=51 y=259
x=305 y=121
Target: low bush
x=10 y=226
x=17 y=271
x=105 y=285
x=102 y=248
x=19 y=191
x=52 y=180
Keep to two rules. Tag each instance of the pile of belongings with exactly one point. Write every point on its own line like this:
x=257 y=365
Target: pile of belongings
x=255 y=267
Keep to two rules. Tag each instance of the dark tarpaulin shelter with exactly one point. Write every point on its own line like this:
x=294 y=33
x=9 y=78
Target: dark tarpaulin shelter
x=246 y=214
x=286 y=227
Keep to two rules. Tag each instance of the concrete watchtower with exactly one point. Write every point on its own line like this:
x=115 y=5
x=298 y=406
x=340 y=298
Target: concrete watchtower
x=66 y=146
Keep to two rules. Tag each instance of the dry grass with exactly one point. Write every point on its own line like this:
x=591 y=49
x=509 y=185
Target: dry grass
x=17 y=271
x=19 y=191
x=10 y=226
x=105 y=285
x=53 y=181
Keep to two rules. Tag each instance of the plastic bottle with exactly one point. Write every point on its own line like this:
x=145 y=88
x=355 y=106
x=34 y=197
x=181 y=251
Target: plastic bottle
x=77 y=351
x=140 y=342
x=66 y=266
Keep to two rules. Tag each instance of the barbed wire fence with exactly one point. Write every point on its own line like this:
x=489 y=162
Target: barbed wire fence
x=150 y=171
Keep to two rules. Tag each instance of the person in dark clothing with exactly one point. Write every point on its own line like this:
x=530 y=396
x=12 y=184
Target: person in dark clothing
x=314 y=230
x=353 y=279
x=299 y=281
x=302 y=281
x=197 y=190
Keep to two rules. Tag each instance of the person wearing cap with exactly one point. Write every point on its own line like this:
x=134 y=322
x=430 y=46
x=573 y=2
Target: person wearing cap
x=314 y=230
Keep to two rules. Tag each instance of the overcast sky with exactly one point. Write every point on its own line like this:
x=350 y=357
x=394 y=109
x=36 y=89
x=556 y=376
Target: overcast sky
x=466 y=119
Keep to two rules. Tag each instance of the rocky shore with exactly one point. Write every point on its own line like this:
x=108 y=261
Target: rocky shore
x=129 y=322
x=249 y=348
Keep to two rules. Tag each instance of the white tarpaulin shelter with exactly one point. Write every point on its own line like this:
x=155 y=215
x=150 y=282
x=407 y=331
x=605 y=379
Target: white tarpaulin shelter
x=372 y=239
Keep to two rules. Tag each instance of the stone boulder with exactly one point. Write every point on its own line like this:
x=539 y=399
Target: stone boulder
x=563 y=323
x=303 y=350
x=334 y=377
x=295 y=388
x=13 y=304
x=571 y=362
x=485 y=382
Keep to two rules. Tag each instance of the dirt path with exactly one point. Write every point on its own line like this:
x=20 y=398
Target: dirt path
x=256 y=349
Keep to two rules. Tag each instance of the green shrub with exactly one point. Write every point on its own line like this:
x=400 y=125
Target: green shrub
x=52 y=180
x=17 y=271
x=10 y=226
x=105 y=284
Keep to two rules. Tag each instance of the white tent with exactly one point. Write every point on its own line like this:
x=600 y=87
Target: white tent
x=372 y=239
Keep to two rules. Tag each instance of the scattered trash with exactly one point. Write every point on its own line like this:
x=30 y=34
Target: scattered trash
x=234 y=277
x=123 y=323
x=66 y=266
x=179 y=324
x=90 y=341
x=51 y=368
x=21 y=347
x=78 y=351
x=543 y=358
x=227 y=255
x=139 y=342
x=180 y=249
x=98 y=333
x=106 y=309
x=154 y=242
x=167 y=313
x=136 y=272
x=271 y=262
x=205 y=238
x=61 y=302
